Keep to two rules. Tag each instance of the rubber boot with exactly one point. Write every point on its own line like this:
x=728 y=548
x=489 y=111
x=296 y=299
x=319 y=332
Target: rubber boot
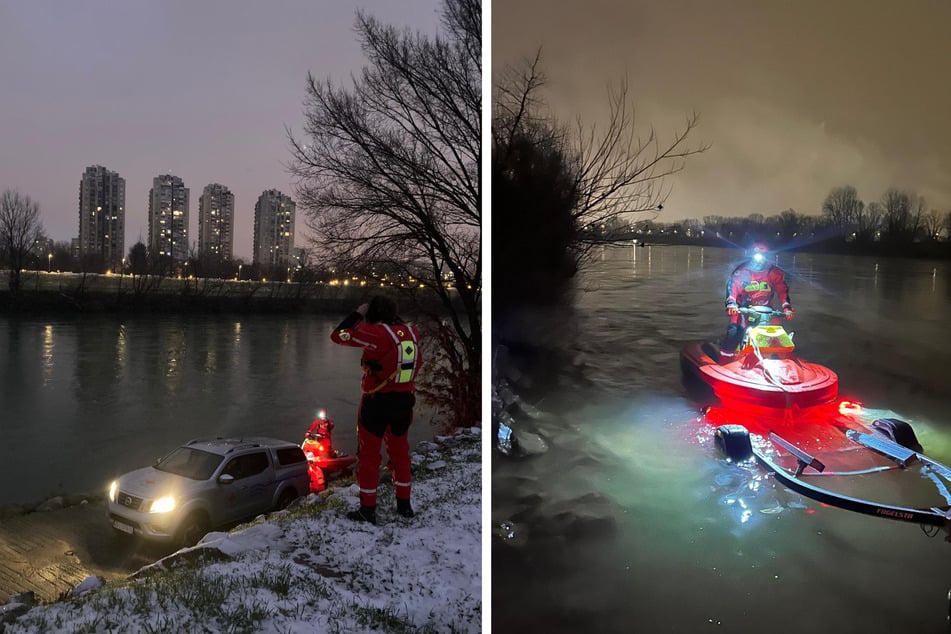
x=363 y=514
x=725 y=357
x=404 y=508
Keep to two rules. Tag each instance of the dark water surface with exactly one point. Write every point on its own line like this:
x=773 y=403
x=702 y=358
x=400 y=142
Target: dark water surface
x=84 y=399
x=631 y=523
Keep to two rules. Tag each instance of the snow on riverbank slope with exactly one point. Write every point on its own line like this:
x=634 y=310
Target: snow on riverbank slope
x=310 y=569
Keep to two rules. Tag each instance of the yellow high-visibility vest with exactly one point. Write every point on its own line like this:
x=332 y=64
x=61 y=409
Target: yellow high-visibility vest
x=406 y=351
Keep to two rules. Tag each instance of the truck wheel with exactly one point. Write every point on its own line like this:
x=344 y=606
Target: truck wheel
x=192 y=529
x=733 y=441
x=287 y=496
x=898 y=431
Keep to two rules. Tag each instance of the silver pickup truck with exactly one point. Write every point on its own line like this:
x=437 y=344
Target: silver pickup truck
x=207 y=483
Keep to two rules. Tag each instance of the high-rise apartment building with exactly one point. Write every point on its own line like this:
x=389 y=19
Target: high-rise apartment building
x=101 y=218
x=273 y=229
x=216 y=224
x=168 y=218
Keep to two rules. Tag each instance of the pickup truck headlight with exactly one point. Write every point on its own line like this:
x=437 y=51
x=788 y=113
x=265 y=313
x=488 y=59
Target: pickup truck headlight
x=113 y=489
x=162 y=505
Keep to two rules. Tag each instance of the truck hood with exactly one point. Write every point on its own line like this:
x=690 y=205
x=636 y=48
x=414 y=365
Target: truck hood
x=148 y=483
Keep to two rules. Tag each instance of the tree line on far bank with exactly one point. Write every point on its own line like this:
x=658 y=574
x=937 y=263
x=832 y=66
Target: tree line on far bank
x=900 y=223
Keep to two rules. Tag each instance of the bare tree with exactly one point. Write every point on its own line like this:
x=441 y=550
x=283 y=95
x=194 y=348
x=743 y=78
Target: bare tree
x=842 y=206
x=534 y=197
x=919 y=205
x=902 y=214
x=62 y=257
x=391 y=175
x=933 y=223
x=606 y=172
x=20 y=228
x=789 y=223
x=621 y=172
x=869 y=221
x=618 y=171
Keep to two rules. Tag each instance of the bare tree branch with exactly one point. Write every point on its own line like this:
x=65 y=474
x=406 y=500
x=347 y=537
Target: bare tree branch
x=20 y=228
x=617 y=173
x=389 y=169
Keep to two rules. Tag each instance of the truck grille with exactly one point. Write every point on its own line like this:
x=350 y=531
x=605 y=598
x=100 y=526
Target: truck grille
x=129 y=501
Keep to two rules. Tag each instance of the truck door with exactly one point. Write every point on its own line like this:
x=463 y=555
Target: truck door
x=252 y=489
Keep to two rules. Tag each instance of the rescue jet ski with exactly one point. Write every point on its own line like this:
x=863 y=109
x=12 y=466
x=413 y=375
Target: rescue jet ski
x=323 y=459
x=765 y=372
x=785 y=414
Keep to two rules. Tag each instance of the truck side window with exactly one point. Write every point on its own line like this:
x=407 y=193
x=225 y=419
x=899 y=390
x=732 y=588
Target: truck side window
x=255 y=463
x=233 y=468
x=290 y=455
x=247 y=465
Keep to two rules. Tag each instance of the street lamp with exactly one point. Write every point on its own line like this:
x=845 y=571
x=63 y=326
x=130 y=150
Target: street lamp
x=49 y=264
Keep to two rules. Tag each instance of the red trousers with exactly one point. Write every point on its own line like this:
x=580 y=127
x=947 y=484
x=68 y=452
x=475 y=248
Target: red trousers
x=384 y=417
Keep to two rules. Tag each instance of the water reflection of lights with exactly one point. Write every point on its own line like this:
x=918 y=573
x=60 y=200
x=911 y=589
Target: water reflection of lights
x=744 y=502
x=48 y=345
x=121 y=348
x=745 y=512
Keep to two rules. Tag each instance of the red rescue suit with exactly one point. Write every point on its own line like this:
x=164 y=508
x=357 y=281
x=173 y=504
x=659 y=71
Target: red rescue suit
x=748 y=287
x=390 y=361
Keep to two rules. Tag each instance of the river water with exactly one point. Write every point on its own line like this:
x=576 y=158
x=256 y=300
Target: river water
x=630 y=522
x=85 y=399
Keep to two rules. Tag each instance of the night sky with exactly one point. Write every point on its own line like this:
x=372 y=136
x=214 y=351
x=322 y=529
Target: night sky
x=199 y=89
x=795 y=97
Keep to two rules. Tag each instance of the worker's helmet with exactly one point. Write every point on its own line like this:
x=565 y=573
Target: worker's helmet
x=758 y=256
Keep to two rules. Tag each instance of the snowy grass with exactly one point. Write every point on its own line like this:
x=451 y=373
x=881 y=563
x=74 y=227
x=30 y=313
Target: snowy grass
x=309 y=569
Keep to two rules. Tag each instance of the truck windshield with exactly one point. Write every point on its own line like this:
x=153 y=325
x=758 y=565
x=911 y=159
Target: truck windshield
x=190 y=463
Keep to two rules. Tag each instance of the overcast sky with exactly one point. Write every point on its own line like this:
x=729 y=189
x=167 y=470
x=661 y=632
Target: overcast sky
x=199 y=89
x=795 y=97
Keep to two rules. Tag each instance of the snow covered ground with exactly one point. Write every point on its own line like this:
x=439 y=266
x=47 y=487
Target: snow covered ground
x=310 y=569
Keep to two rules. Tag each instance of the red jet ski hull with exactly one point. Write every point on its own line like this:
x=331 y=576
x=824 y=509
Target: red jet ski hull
x=803 y=384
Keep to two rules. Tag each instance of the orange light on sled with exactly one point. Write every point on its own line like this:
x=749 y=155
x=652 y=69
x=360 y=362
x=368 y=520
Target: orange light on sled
x=850 y=408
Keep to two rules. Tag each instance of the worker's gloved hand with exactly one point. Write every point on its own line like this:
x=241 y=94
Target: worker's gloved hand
x=788 y=312
x=732 y=309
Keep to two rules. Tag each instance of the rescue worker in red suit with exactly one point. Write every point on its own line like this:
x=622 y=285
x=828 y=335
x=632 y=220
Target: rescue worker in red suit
x=390 y=360
x=753 y=283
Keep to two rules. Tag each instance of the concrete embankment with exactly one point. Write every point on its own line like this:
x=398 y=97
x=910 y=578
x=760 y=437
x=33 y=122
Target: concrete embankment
x=50 y=552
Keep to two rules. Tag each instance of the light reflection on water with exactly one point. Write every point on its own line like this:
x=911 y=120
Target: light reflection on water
x=48 y=347
x=697 y=541
x=84 y=399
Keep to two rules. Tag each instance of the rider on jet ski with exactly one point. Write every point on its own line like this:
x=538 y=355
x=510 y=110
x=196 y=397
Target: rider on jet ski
x=752 y=283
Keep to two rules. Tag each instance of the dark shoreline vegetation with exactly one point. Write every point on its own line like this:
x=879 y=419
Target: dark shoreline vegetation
x=931 y=250
x=43 y=293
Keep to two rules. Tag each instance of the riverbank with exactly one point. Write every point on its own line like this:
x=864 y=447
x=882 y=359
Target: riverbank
x=64 y=293
x=310 y=568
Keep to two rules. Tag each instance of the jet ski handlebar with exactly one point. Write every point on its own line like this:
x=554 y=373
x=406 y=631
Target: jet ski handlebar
x=762 y=312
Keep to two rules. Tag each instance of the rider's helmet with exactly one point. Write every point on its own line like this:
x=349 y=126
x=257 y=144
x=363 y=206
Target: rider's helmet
x=758 y=256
